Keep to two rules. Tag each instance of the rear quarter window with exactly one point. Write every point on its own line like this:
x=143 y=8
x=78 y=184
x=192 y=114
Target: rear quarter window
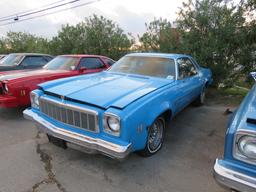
x=91 y=63
x=34 y=60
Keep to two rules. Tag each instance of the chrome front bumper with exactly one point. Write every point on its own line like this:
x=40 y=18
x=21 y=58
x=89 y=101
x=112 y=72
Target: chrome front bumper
x=99 y=145
x=233 y=179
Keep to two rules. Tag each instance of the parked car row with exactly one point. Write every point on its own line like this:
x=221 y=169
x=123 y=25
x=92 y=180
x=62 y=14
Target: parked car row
x=123 y=108
x=15 y=87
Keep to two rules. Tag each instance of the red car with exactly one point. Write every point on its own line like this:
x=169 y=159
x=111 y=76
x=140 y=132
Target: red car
x=15 y=87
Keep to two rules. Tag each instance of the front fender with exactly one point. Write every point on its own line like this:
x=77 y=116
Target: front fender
x=141 y=117
x=156 y=111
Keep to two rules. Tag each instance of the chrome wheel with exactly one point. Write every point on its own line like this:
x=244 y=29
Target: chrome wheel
x=155 y=135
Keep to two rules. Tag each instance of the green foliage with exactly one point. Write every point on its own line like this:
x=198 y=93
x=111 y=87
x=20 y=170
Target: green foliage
x=66 y=42
x=235 y=91
x=216 y=33
x=160 y=37
x=95 y=35
x=23 y=42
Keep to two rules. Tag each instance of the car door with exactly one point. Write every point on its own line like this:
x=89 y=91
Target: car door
x=91 y=65
x=33 y=62
x=189 y=79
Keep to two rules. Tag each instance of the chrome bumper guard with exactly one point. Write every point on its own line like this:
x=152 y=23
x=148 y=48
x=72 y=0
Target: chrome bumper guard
x=232 y=179
x=99 y=145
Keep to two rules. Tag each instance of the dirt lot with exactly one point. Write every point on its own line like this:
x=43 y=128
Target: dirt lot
x=194 y=139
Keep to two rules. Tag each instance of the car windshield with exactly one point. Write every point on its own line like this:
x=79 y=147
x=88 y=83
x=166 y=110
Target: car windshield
x=11 y=60
x=150 y=66
x=62 y=63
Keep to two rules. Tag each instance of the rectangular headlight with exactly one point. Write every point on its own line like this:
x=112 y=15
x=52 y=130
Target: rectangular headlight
x=245 y=146
x=112 y=124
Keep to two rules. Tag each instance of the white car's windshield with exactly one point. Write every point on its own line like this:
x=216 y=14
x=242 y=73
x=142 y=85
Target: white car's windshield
x=150 y=66
x=62 y=63
x=11 y=60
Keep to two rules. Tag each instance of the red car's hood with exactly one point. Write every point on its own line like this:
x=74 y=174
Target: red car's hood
x=12 y=72
x=35 y=73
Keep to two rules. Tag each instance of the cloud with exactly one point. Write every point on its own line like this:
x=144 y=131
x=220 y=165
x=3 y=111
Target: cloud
x=131 y=15
x=131 y=21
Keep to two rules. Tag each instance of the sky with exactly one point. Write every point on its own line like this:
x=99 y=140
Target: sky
x=131 y=15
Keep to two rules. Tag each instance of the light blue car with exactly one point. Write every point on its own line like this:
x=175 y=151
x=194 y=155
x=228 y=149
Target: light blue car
x=122 y=110
x=237 y=170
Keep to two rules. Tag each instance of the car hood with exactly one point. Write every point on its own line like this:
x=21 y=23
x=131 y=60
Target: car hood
x=33 y=73
x=106 y=89
x=11 y=72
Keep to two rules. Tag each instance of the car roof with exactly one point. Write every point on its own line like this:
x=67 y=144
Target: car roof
x=82 y=55
x=33 y=54
x=165 y=55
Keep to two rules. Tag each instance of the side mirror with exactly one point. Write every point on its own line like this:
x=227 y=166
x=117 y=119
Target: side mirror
x=82 y=69
x=253 y=74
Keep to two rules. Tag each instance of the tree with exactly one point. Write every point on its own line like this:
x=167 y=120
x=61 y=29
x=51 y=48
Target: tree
x=250 y=32
x=68 y=41
x=160 y=37
x=95 y=35
x=24 y=42
x=2 y=47
x=214 y=31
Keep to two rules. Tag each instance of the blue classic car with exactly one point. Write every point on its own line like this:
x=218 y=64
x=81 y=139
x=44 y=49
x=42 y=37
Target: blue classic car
x=237 y=170
x=122 y=110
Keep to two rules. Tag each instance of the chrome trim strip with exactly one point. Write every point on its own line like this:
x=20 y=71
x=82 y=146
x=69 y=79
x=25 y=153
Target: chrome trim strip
x=69 y=106
x=176 y=70
x=246 y=131
x=233 y=179
x=102 y=146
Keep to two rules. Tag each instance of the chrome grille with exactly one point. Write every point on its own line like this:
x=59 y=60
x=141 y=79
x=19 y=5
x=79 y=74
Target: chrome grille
x=69 y=114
